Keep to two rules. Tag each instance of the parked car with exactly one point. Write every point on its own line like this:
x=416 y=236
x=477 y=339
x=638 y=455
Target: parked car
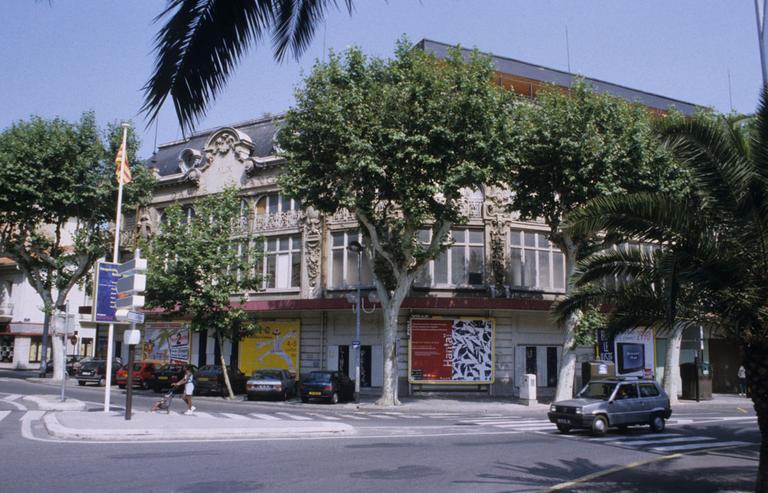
x=613 y=403
x=167 y=375
x=143 y=373
x=95 y=371
x=332 y=386
x=272 y=383
x=74 y=363
x=209 y=379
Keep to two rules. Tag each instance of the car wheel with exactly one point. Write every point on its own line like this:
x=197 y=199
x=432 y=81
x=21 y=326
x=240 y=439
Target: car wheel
x=285 y=395
x=250 y=397
x=102 y=382
x=657 y=423
x=157 y=389
x=335 y=398
x=564 y=429
x=600 y=425
x=81 y=383
x=144 y=385
x=120 y=385
x=304 y=399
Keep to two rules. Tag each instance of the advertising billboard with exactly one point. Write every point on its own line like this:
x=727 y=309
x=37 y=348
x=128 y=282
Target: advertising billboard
x=166 y=343
x=451 y=351
x=274 y=345
x=634 y=353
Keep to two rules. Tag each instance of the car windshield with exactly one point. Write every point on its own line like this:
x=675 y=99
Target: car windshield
x=267 y=374
x=597 y=390
x=90 y=365
x=318 y=377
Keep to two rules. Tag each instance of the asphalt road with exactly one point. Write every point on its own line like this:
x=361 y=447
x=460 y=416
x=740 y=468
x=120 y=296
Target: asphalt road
x=423 y=452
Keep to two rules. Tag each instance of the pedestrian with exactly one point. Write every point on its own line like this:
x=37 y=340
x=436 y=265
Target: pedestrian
x=742 y=374
x=189 y=387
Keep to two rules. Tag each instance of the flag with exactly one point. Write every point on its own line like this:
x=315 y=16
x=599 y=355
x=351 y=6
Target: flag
x=122 y=168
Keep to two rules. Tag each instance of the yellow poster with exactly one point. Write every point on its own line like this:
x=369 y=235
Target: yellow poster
x=274 y=345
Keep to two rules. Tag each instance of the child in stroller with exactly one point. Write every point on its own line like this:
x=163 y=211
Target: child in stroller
x=164 y=404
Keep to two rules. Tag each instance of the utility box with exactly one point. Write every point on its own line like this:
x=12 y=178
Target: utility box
x=595 y=370
x=696 y=381
x=528 y=390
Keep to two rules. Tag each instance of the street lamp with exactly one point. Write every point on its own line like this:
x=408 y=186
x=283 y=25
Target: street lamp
x=355 y=246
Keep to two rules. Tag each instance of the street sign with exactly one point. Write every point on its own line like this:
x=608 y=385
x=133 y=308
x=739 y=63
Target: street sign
x=105 y=286
x=132 y=284
x=129 y=301
x=130 y=316
x=136 y=264
x=355 y=344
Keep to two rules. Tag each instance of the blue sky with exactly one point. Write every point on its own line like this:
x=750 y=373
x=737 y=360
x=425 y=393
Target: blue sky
x=71 y=56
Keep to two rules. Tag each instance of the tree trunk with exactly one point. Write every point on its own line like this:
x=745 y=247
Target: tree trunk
x=391 y=307
x=44 y=356
x=756 y=365
x=671 y=380
x=57 y=349
x=224 y=365
x=567 y=371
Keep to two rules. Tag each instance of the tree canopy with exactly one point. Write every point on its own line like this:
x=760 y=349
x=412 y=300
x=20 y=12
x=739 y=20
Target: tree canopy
x=396 y=143
x=196 y=267
x=57 y=199
x=203 y=41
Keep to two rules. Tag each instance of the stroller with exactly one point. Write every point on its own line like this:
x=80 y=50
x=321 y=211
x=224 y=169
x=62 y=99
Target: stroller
x=164 y=404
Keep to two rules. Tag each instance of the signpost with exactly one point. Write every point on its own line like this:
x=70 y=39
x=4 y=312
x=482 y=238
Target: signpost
x=129 y=281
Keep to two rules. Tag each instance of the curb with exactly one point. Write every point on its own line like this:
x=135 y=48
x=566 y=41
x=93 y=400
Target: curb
x=58 y=430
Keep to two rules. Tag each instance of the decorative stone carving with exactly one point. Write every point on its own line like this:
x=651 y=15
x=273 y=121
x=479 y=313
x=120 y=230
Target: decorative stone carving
x=276 y=221
x=144 y=229
x=312 y=254
x=342 y=216
x=497 y=233
x=227 y=140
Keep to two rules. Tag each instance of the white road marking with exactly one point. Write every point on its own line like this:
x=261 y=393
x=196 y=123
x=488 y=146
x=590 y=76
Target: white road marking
x=26 y=423
x=203 y=415
x=352 y=416
x=294 y=416
x=381 y=416
x=11 y=399
x=268 y=417
x=402 y=415
x=616 y=438
x=695 y=446
x=662 y=441
x=233 y=416
x=4 y=414
x=325 y=416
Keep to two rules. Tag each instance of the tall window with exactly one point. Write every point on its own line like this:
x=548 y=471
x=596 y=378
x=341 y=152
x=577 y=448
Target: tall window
x=343 y=272
x=281 y=265
x=462 y=264
x=536 y=262
x=274 y=203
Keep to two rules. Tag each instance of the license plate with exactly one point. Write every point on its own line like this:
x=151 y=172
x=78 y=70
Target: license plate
x=263 y=387
x=315 y=393
x=203 y=379
x=87 y=373
x=564 y=421
x=162 y=378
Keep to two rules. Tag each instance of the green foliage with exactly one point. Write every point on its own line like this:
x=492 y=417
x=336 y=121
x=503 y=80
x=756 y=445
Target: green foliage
x=394 y=142
x=585 y=333
x=57 y=198
x=197 y=267
x=579 y=145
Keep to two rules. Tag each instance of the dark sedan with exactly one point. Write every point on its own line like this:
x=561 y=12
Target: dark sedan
x=277 y=384
x=209 y=379
x=95 y=371
x=331 y=386
x=167 y=375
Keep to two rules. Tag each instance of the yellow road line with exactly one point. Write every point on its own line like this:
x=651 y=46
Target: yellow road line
x=598 y=474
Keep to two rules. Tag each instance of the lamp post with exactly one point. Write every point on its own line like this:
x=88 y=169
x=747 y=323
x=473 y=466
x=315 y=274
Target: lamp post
x=355 y=246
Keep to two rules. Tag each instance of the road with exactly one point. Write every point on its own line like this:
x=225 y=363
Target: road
x=704 y=449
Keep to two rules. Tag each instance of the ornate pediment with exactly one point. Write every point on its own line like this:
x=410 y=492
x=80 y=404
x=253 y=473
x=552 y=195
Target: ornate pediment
x=226 y=140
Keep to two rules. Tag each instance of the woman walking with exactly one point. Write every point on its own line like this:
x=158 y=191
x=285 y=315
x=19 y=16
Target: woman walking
x=189 y=388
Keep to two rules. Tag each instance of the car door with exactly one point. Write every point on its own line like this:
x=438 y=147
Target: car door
x=652 y=400
x=625 y=406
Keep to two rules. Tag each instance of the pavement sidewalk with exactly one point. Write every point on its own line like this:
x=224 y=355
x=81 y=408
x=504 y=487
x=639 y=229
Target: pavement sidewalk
x=147 y=426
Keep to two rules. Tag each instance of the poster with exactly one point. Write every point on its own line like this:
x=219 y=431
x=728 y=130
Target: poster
x=274 y=345
x=634 y=353
x=166 y=343
x=105 y=287
x=451 y=351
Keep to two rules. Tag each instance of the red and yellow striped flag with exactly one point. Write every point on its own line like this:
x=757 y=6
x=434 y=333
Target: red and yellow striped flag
x=122 y=169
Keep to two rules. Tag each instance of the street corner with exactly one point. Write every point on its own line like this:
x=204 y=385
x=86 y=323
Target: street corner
x=147 y=426
x=50 y=402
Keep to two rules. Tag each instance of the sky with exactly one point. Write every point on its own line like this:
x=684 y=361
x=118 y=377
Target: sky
x=62 y=58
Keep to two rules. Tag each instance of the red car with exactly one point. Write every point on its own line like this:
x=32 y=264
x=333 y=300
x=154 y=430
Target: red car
x=143 y=373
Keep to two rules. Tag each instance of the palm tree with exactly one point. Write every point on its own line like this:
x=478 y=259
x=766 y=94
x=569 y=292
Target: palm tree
x=712 y=262
x=203 y=40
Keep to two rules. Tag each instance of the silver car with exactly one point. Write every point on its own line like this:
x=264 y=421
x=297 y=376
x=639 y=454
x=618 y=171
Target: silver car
x=271 y=383
x=613 y=403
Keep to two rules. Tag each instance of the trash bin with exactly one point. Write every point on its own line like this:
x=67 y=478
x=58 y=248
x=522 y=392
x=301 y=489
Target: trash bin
x=593 y=370
x=696 y=380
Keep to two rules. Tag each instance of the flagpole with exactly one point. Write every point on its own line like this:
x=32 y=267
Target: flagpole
x=115 y=258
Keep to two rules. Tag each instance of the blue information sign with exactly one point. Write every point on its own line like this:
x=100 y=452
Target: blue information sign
x=106 y=291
